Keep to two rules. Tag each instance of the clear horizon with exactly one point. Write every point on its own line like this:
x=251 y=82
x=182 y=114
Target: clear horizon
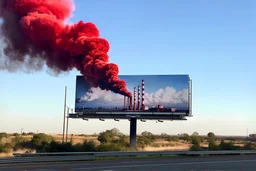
x=213 y=42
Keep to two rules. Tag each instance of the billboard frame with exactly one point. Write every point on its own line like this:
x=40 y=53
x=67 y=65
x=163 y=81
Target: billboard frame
x=145 y=115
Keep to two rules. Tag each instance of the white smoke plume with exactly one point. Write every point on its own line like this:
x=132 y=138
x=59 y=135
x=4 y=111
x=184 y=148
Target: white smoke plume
x=166 y=96
x=103 y=95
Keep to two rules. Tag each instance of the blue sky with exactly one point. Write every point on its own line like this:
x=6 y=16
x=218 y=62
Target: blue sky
x=212 y=41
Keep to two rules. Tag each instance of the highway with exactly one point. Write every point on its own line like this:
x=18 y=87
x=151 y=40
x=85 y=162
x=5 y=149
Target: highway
x=223 y=163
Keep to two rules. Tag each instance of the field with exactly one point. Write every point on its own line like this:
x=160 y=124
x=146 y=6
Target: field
x=156 y=143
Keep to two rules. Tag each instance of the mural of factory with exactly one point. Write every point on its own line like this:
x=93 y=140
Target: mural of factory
x=136 y=104
x=169 y=95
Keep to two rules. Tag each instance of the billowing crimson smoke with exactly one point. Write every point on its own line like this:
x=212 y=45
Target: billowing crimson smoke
x=35 y=30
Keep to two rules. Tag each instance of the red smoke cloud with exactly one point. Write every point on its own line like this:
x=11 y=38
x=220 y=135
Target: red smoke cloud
x=36 y=28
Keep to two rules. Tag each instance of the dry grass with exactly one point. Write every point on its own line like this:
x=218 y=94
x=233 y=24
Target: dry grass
x=76 y=138
x=58 y=137
x=159 y=144
x=6 y=155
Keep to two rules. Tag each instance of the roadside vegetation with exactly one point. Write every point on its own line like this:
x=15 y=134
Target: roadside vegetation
x=114 y=140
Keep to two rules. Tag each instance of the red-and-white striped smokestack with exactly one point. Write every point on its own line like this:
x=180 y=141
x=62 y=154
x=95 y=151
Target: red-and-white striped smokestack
x=127 y=103
x=130 y=103
x=134 y=99
x=138 y=98
x=143 y=93
x=124 y=102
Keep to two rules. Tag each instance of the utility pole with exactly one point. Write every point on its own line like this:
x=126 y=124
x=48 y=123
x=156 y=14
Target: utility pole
x=64 y=118
x=67 y=127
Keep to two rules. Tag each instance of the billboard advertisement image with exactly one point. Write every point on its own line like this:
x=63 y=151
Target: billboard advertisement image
x=149 y=93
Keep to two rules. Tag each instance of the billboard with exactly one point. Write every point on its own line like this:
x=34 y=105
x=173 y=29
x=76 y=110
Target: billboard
x=150 y=93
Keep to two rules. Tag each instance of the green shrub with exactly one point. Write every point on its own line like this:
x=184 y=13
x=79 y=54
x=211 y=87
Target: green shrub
x=3 y=135
x=105 y=137
x=175 y=139
x=213 y=146
x=55 y=146
x=148 y=135
x=211 y=136
x=195 y=147
x=249 y=146
x=19 y=142
x=227 y=145
x=30 y=133
x=15 y=134
x=164 y=136
x=144 y=141
x=121 y=140
x=196 y=140
x=186 y=137
x=1 y=147
x=86 y=146
x=89 y=146
x=39 y=139
x=5 y=148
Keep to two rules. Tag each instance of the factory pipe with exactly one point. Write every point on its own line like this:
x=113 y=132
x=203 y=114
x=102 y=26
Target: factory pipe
x=128 y=103
x=138 y=98
x=131 y=103
x=134 y=99
x=124 y=102
x=143 y=88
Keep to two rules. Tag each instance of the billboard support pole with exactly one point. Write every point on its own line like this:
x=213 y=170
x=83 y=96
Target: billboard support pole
x=133 y=132
x=67 y=127
x=64 y=118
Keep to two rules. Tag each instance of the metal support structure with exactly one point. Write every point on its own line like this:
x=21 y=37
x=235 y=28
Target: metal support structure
x=133 y=132
x=190 y=96
x=64 y=118
x=67 y=127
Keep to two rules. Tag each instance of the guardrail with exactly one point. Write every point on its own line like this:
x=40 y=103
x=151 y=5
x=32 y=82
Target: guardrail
x=86 y=156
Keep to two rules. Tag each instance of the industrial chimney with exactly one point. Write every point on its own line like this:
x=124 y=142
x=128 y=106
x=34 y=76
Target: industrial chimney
x=143 y=106
x=130 y=103
x=124 y=102
x=138 y=98
x=134 y=100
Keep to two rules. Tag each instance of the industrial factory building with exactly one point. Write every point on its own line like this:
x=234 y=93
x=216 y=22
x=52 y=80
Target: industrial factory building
x=137 y=102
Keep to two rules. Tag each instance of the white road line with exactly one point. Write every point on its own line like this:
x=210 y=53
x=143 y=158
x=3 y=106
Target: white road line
x=166 y=164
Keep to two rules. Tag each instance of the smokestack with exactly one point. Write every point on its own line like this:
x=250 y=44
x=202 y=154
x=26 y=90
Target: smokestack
x=124 y=102
x=143 y=106
x=130 y=103
x=138 y=97
x=134 y=99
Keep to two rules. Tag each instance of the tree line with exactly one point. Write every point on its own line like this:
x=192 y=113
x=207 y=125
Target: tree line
x=114 y=140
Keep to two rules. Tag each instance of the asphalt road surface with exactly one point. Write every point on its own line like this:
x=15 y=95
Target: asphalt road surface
x=228 y=163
